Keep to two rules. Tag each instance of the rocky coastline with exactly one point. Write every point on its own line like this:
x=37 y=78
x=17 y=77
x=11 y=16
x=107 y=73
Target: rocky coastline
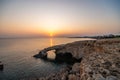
x=92 y=60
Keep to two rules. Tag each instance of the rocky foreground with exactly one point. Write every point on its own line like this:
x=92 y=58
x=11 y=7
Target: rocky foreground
x=97 y=60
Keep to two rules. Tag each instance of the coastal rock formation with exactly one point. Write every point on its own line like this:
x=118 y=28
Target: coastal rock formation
x=103 y=63
x=43 y=53
x=100 y=60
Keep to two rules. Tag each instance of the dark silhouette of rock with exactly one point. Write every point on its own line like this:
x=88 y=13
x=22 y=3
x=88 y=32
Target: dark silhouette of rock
x=66 y=57
x=1 y=66
x=41 y=55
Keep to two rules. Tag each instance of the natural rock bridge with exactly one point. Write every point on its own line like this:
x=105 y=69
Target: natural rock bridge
x=43 y=53
x=64 y=56
x=71 y=52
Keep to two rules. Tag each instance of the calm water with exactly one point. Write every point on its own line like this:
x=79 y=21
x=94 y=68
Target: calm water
x=16 y=54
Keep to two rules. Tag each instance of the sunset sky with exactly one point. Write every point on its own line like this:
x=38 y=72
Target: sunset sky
x=59 y=17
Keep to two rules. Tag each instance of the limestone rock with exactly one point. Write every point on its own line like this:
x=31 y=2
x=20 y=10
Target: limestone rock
x=100 y=60
x=76 y=68
x=111 y=78
x=72 y=77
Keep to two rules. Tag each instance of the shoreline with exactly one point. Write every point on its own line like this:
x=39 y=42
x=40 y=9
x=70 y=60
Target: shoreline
x=100 y=60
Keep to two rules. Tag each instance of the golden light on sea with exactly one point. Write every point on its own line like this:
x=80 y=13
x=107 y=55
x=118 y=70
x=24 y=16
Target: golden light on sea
x=51 y=42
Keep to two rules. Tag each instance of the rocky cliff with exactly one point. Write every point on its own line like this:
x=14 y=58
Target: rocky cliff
x=100 y=60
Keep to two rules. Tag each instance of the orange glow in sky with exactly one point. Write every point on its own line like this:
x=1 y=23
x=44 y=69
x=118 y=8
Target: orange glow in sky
x=48 y=18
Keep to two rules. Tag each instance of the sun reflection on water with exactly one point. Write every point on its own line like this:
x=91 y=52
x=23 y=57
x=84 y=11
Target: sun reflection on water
x=51 y=41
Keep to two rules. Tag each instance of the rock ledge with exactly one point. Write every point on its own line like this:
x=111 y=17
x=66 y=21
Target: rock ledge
x=100 y=60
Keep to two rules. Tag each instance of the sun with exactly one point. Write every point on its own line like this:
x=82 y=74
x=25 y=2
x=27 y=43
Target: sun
x=52 y=23
x=51 y=34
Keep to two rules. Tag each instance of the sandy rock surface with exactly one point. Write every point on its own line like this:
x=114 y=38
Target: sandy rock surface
x=100 y=61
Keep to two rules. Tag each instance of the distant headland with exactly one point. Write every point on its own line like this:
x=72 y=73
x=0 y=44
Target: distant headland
x=99 y=37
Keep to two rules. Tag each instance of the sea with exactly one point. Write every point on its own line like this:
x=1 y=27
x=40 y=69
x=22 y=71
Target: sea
x=17 y=57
